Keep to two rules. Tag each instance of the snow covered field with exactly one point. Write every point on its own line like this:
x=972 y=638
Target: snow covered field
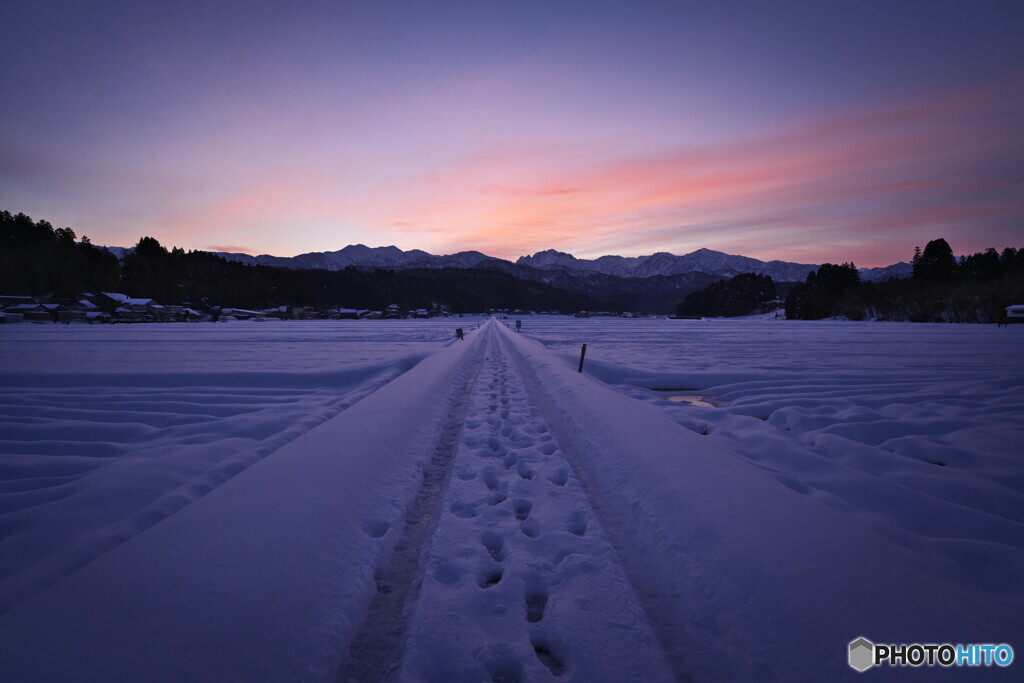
x=713 y=500
x=107 y=429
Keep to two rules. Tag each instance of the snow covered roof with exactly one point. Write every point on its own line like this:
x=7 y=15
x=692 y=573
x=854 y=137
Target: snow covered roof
x=85 y=303
x=120 y=298
x=138 y=302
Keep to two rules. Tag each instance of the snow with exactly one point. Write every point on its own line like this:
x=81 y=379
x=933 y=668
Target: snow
x=107 y=430
x=813 y=511
x=519 y=581
x=325 y=500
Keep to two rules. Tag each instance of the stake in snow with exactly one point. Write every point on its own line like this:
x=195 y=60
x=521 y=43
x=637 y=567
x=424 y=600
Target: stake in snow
x=354 y=501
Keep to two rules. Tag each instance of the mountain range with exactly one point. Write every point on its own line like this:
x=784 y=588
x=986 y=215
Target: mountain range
x=550 y=266
x=656 y=283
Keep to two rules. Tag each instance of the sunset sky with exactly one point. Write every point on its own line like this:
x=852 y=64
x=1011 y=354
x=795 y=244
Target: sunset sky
x=804 y=131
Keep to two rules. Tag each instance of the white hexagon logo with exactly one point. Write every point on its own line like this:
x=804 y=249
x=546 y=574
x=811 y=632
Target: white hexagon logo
x=862 y=654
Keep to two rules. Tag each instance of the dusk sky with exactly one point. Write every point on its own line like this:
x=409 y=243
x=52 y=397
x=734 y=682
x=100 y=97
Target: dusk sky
x=803 y=131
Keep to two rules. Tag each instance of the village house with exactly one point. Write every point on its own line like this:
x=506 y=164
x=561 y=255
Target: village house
x=241 y=314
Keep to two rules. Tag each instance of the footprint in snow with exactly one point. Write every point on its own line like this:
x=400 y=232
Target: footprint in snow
x=536 y=597
x=524 y=471
x=577 y=523
x=522 y=508
x=559 y=478
x=494 y=544
x=489 y=576
x=543 y=651
x=530 y=528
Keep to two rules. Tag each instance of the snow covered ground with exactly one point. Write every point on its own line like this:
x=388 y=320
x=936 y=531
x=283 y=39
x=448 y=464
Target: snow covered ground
x=106 y=429
x=712 y=500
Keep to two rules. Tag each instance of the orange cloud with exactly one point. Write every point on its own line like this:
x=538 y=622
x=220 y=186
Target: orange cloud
x=853 y=183
x=819 y=182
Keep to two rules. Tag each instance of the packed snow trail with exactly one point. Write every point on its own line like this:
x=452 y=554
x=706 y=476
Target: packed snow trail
x=373 y=653
x=518 y=581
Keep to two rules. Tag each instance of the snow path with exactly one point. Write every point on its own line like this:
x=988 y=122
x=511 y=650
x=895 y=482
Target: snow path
x=378 y=644
x=518 y=581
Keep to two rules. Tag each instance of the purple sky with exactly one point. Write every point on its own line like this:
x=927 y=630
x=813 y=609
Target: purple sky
x=804 y=131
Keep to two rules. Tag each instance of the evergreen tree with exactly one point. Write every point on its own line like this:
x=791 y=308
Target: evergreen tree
x=819 y=295
x=937 y=264
x=744 y=294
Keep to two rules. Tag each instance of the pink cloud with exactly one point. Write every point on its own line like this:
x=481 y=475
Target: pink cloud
x=826 y=186
x=866 y=185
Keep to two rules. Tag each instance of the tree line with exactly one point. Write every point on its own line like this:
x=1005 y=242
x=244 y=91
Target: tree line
x=975 y=288
x=744 y=294
x=38 y=260
x=942 y=288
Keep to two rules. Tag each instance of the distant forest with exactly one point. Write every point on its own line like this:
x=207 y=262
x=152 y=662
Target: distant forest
x=744 y=294
x=38 y=260
x=975 y=288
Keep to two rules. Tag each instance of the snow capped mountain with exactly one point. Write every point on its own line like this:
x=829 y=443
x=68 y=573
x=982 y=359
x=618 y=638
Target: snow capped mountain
x=896 y=270
x=663 y=263
x=703 y=261
x=360 y=255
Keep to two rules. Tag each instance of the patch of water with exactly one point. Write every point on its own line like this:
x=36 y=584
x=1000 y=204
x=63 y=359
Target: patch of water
x=702 y=400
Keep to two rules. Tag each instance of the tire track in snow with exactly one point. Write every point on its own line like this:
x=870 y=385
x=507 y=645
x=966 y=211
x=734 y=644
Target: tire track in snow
x=373 y=654
x=518 y=579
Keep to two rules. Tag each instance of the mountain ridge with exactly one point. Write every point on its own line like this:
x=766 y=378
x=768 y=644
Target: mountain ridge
x=706 y=261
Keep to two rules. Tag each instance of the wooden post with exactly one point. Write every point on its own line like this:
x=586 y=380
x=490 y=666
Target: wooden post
x=582 y=354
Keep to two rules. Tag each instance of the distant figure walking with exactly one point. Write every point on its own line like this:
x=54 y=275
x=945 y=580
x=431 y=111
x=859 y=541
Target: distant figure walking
x=458 y=333
x=1002 y=319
